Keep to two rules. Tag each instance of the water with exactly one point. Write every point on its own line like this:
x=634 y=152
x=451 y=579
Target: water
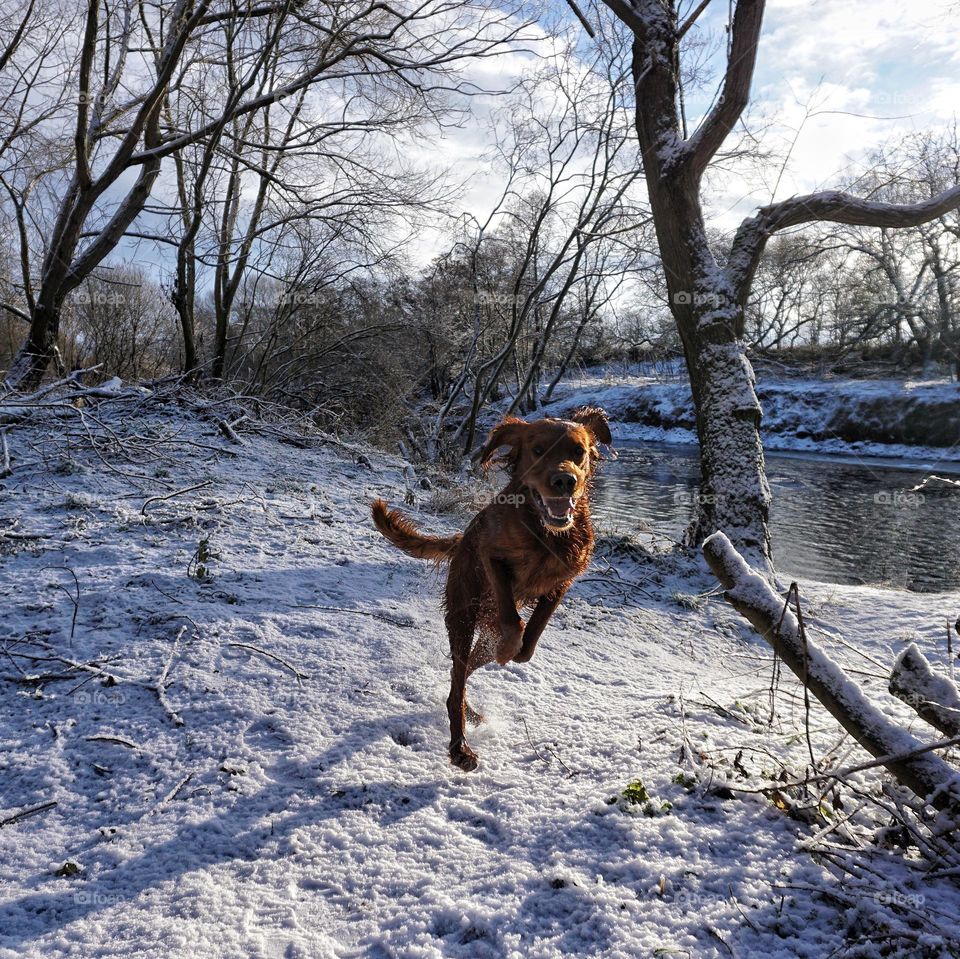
x=835 y=519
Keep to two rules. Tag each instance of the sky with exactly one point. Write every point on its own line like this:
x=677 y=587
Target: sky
x=834 y=80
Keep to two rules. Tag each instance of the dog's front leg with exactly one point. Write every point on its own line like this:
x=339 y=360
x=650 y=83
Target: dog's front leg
x=538 y=621
x=509 y=621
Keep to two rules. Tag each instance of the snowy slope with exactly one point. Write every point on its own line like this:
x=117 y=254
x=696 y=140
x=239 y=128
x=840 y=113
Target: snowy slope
x=251 y=812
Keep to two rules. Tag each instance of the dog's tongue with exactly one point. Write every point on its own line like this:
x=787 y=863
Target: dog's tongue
x=559 y=507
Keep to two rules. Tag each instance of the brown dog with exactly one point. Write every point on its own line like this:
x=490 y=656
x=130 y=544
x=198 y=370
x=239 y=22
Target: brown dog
x=523 y=550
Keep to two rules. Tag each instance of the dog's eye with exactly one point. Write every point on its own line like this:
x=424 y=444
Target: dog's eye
x=538 y=451
x=578 y=452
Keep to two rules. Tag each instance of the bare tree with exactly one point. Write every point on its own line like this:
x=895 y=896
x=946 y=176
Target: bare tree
x=707 y=294
x=132 y=57
x=568 y=150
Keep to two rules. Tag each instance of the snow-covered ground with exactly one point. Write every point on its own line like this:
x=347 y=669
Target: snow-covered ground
x=288 y=793
x=903 y=419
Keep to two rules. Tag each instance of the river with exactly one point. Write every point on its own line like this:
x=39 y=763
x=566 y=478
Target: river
x=836 y=519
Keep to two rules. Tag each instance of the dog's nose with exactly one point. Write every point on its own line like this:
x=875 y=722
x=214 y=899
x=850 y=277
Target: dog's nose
x=563 y=483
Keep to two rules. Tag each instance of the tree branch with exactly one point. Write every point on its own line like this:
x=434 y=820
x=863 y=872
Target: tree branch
x=745 y=31
x=931 y=778
x=830 y=206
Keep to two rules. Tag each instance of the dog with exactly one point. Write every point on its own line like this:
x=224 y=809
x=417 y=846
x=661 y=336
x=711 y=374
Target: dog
x=523 y=550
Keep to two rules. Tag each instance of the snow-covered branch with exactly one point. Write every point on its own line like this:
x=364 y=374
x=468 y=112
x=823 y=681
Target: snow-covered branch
x=935 y=698
x=932 y=779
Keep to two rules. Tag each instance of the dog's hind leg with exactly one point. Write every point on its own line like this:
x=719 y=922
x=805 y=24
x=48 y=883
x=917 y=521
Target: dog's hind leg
x=460 y=626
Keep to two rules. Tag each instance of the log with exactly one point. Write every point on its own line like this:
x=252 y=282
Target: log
x=935 y=698
x=930 y=777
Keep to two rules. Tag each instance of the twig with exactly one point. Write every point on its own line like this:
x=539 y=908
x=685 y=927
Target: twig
x=795 y=589
x=405 y=624
x=843 y=773
x=161 y=684
x=166 y=496
x=26 y=813
x=10 y=534
x=170 y=796
x=5 y=470
x=73 y=599
x=117 y=740
x=256 y=649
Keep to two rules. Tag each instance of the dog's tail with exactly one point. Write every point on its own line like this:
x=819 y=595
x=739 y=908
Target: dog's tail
x=404 y=535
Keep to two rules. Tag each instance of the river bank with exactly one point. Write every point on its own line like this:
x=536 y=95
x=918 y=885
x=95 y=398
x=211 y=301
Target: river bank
x=897 y=419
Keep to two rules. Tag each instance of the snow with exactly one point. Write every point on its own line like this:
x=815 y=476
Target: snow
x=834 y=416
x=320 y=817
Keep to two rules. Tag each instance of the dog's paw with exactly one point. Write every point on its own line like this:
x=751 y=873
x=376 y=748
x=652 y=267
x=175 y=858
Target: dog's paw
x=463 y=757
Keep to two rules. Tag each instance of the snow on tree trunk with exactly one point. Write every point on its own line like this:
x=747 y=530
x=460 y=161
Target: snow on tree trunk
x=734 y=495
x=34 y=356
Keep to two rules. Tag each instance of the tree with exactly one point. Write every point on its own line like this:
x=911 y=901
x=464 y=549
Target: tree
x=121 y=129
x=707 y=293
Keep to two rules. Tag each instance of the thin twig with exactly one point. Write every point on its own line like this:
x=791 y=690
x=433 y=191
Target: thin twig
x=161 y=684
x=5 y=469
x=26 y=813
x=256 y=649
x=166 y=496
x=116 y=740
x=405 y=624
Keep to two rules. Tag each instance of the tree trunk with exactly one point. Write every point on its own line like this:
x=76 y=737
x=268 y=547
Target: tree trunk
x=734 y=495
x=183 y=297
x=34 y=356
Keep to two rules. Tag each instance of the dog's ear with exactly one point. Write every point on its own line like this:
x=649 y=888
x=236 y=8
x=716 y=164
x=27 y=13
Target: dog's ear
x=595 y=420
x=507 y=433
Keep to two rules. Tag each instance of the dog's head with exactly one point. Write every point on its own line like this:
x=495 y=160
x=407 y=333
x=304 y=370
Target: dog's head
x=553 y=458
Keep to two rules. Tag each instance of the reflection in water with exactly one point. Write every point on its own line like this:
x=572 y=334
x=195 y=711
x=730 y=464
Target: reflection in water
x=835 y=519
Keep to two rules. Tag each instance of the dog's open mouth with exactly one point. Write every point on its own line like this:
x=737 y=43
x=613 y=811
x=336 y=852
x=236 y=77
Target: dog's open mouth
x=555 y=511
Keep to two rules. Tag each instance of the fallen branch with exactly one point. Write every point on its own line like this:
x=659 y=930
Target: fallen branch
x=26 y=813
x=935 y=698
x=403 y=623
x=160 y=686
x=910 y=761
x=116 y=740
x=170 y=796
x=5 y=469
x=229 y=432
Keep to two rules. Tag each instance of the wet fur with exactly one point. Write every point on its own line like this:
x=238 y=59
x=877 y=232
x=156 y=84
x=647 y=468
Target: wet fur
x=508 y=559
